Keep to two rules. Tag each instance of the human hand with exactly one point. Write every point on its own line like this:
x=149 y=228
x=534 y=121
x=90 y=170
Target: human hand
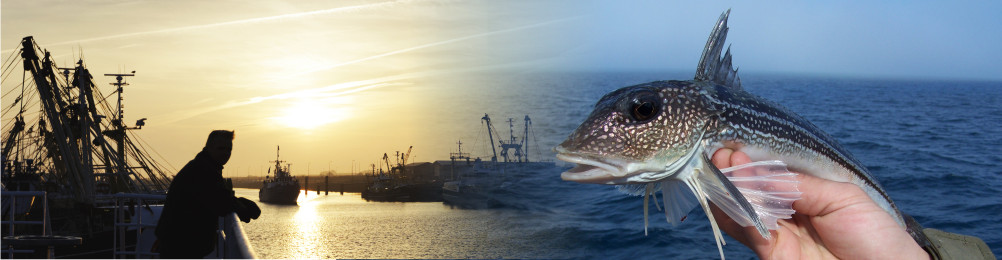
x=832 y=220
x=246 y=209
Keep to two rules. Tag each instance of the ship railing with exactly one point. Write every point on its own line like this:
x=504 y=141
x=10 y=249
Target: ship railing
x=233 y=241
x=134 y=211
x=232 y=244
x=11 y=211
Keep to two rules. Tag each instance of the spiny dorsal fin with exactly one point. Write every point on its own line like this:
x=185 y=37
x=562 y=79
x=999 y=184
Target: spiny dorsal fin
x=712 y=67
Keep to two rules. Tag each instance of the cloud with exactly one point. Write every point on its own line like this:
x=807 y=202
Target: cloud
x=438 y=43
x=344 y=9
x=340 y=89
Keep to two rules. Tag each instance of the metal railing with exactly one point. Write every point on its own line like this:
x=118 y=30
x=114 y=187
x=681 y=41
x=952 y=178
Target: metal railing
x=141 y=249
x=232 y=240
x=11 y=211
x=232 y=244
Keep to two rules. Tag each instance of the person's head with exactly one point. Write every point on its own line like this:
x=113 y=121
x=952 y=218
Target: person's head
x=219 y=145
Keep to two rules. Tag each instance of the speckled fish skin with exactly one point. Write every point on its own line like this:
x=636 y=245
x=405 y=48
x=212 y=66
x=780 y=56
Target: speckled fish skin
x=611 y=132
x=693 y=113
x=731 y=118
x=623 y=138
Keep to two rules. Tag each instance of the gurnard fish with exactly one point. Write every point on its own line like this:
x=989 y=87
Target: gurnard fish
x=660 y=136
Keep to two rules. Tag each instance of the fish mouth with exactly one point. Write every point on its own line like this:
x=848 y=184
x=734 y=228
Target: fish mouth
x=593 y=168
x=615 y=170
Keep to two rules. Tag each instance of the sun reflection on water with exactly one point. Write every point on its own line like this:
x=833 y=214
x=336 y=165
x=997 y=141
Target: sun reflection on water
x=305 y=240
x=347 y=226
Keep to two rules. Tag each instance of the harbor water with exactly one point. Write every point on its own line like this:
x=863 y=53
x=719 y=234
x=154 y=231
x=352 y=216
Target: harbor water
x=933 y=145
x=346 y=226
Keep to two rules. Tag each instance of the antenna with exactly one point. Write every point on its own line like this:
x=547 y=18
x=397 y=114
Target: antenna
x=119 y=77
x=117 y=120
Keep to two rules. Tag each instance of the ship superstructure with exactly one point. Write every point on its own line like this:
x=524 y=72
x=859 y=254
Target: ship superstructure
x=283 y=188
x=473 y=181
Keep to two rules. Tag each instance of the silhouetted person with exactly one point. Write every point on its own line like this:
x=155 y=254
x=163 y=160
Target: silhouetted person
x=197 y=197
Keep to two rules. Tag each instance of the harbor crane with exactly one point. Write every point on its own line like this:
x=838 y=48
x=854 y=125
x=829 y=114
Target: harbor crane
x=513 y=143
x=386 y=158
x=407 y=155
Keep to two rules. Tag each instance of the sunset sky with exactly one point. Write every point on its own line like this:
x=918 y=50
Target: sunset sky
x=334 y=82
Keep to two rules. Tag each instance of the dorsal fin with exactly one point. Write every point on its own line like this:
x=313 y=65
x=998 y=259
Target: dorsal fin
x=712 y=67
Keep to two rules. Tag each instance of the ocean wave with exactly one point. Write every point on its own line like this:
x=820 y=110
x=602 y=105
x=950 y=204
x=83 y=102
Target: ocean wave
x=868 y=145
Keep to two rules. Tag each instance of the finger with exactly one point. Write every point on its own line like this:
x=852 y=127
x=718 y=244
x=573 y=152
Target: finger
x=748 y=236
x=752 y=236
x=722 y=158
x=739 y=158
x=843 y=214
x=821 y=197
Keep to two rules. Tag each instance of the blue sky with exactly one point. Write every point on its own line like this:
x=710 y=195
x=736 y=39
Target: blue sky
x=898 y=39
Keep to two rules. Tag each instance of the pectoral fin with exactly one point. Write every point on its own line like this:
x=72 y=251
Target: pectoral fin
x=752 y=194
x=756 y=194
x=678 y=201
x=677 y=198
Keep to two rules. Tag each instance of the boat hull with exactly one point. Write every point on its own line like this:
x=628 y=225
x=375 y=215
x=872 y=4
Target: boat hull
x=279 y=193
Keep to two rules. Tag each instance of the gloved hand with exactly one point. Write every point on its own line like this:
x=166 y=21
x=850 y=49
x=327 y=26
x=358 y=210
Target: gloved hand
x=246 y=209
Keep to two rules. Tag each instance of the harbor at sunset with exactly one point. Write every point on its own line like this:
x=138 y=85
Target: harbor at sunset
x=427 y=129
x=336 y=85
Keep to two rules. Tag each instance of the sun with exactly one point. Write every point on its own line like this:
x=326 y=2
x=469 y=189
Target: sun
x=310 y=114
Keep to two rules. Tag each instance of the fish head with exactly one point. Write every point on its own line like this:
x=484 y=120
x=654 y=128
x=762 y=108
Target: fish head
x=638 y=134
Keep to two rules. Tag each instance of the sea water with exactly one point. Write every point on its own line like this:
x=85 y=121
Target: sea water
x=933 y=145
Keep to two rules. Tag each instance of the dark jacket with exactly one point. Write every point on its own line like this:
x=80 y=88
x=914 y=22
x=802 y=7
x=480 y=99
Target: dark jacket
x=196 y=199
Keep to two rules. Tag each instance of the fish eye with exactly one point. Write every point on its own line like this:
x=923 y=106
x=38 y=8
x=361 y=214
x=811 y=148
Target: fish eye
x=644 y=107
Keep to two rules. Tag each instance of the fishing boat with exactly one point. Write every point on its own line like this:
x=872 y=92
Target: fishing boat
x=283 y=188
x=404 y=181
x=392 y=184
x=75 y=180
x=474 y=182
x=383 y=187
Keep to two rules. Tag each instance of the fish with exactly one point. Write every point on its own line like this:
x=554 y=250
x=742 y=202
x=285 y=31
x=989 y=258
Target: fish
x=660 y=136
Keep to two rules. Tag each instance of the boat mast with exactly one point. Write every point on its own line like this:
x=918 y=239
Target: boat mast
x=52 y=103
x=460 y=154
x=279 y=172
x=70 y=124
x=386 y=158
x=119 y=134
x=490 y=130
x=525 y=137
x=511 y=144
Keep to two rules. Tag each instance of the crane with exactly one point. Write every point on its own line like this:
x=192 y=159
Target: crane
x=386 y=158
x=407 y=155
x=525 y=137
x=490 y=131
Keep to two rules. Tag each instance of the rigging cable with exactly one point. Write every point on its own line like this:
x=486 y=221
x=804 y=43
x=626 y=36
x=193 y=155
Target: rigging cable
x=11 y=56
x=539 y=154
x=11 y=90
x=8 y=67
x=156 y=164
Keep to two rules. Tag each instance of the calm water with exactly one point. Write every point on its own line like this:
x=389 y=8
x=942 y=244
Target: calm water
x=934 y=146
x=336 y=226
